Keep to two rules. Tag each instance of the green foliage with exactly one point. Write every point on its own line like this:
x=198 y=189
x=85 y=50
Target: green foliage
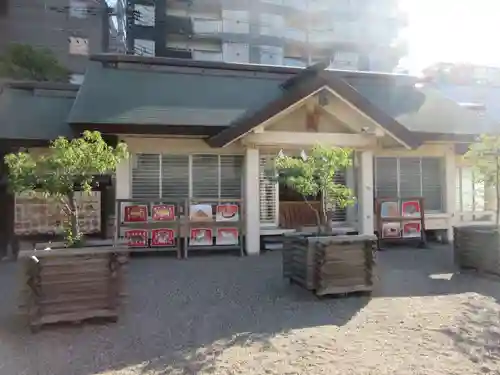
x=484 y=157
x=314 y=174
x=67 y=165
x=24 y=62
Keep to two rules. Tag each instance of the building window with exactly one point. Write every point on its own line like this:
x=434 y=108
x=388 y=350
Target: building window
x=235 y=21
x=143 y=47
x=187 y=176
x=78 y=46
x=207 y=55
x=144 y=15
x=271 y=55
x=77 y=9
x=271 y=24
x=236 y=52
x=345 y=60
x=407 y=177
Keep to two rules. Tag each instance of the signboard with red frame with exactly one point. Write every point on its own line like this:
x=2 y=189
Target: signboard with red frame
x=137 y=237
x=162 y=237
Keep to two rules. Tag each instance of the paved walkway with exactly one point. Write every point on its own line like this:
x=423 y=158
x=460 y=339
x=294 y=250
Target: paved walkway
x=231 y=315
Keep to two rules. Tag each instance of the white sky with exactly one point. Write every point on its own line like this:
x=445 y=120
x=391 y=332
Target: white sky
x=452 y=31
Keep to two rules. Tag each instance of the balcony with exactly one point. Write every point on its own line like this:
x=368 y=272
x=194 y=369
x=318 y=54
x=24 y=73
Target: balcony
x=178 y=25
x=207 y=27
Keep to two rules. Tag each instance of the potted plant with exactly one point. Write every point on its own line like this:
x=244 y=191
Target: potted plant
x=74 y=279
x=325 y=263
x=477 y=246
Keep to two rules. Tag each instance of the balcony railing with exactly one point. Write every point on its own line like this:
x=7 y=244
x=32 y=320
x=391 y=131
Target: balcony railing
x=202 y=26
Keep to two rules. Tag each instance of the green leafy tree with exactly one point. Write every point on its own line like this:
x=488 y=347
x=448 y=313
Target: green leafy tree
x=312 y=175
x=484 y=157
x=24 y=62
x=69 y=165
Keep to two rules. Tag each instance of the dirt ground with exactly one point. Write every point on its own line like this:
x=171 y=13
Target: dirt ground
x=231 y=315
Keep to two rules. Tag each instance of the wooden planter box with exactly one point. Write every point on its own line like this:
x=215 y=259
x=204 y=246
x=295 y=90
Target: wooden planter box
x=72 y=285
x=477 y=247
x=330 y=264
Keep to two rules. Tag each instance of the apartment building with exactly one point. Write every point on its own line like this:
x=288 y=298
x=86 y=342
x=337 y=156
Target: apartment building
x=352 y=34
x=72 y=29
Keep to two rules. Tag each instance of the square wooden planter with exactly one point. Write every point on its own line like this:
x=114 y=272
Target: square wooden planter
x=330 y=264
x=72 y=285
x=477 y=247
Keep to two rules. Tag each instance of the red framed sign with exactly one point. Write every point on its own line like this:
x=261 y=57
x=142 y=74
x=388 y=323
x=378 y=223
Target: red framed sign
x=163 y=212
x=162 y=237
x=227 y=212
x=135 y=214
x=137 y=237
x=227 y=236
x=201 y=237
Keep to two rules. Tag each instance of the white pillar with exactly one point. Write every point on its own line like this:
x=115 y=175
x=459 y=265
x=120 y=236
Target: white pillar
x=365 y=193
x=451 y=190
x=251 y=203
x=123 y=190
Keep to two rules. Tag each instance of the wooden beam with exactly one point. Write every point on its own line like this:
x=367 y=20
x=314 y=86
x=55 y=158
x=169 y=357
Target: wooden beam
x=281 y=139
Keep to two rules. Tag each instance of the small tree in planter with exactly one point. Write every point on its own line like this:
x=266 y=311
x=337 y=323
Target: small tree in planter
x=326 y=264
x=69 y=165
x=478 y=246
x=93 y=285
x=313 y=175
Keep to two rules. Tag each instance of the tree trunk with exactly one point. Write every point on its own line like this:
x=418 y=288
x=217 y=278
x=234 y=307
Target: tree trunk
x=75 y=227
x=316 y=213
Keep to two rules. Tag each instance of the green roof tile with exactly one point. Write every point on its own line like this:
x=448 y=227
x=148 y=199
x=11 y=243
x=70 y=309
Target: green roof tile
x=35 y=114
x=131 y=96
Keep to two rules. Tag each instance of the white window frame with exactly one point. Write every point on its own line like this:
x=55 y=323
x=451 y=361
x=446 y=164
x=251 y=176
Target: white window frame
x=78 y=9
x=190 y=173
x=275 y=222
x=146 y=15
x=144 y=47
x=398 y=178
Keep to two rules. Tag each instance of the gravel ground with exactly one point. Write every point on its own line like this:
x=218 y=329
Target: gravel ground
x=231 y=315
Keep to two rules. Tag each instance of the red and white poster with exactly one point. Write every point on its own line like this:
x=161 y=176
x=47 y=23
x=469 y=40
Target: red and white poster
x=135 y=214
x=227 y=236
x=227 y=212
x=201 y=237
x=137 y=237
x=391 y=230
x=163 y=212
x=162 y=237
x=412 y=229
x=410 y=208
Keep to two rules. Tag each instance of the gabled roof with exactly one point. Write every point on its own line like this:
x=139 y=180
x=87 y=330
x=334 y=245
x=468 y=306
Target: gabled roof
x=36 y=110
x=487 y=96
x=158 y=101
x=220 y=101
x=298 y=89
